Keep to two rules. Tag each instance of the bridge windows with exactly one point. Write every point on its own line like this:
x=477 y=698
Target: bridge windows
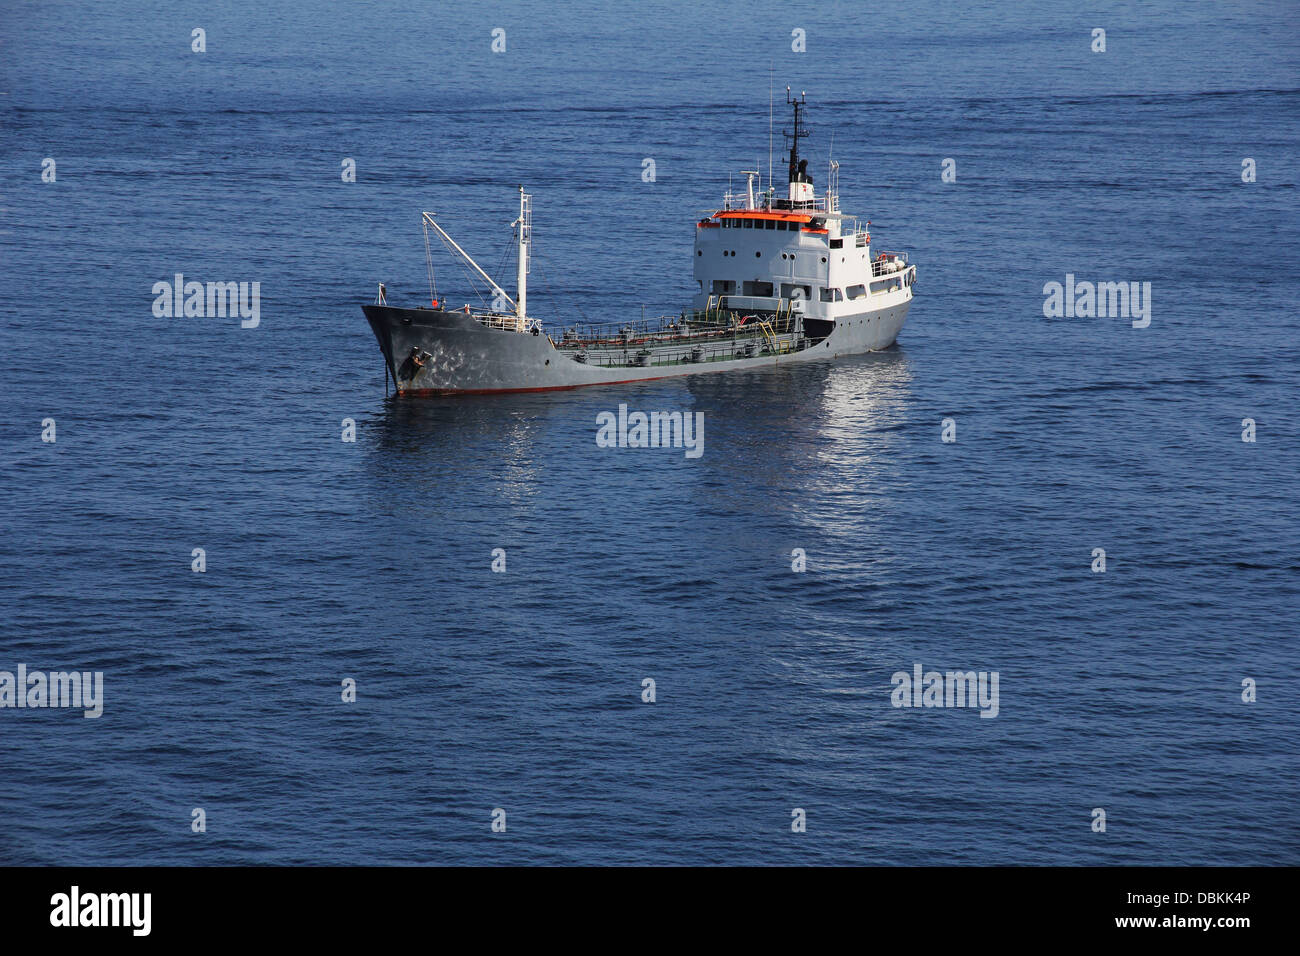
x=760 y=289
x=741 y=222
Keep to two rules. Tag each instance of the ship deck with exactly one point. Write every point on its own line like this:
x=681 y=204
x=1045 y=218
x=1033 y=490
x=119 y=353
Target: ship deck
x=690 y=338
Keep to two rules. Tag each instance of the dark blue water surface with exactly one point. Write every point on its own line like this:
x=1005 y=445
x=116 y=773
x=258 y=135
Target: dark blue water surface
x=522 y=691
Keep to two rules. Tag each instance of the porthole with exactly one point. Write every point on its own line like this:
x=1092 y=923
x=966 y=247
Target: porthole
x=757 y=254
x=699 y=252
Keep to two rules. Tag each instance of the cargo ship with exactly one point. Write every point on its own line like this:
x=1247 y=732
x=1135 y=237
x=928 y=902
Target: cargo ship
x=780 y=278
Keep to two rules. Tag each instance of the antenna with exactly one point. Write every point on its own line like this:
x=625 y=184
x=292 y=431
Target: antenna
x=771 y=85
x=832 y=179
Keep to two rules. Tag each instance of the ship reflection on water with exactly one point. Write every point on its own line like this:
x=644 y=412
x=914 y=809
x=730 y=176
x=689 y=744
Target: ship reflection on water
x=786 y=427
x=439 y=445
x=777 y=441
x=803 y=452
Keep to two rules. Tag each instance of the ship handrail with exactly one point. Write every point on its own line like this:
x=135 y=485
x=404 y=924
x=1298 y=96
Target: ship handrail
x=733 y=201
x=506 y=321
x=729 y=349
x=883 y=260
x=696 y=327
x=712 y=313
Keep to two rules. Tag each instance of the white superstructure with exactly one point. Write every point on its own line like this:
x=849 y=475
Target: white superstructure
x=794 y=254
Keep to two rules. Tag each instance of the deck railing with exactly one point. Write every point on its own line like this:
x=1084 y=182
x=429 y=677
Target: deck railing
x=888 y=263
x=734 y=201
x=690 y=344
x=506 y=321
x=687 y=327
x=718 y=350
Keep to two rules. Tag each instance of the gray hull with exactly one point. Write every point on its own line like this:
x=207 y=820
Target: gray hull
x=459 y=355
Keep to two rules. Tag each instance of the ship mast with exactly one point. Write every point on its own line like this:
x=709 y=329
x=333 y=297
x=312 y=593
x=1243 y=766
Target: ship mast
x=800 y=195
x=798 y=130
x=525 y=224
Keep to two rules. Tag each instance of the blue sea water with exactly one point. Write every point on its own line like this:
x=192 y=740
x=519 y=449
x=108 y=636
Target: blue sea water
x=371 y=560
